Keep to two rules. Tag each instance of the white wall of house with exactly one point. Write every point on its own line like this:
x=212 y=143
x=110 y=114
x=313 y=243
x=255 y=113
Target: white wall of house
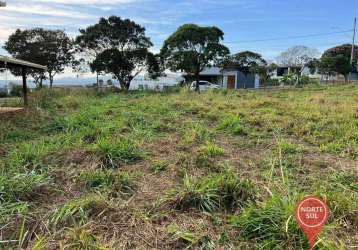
x=257 y=81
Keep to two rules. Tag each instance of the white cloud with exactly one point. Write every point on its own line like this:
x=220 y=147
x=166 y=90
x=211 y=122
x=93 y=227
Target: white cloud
x=89 y=2
x=41 y=9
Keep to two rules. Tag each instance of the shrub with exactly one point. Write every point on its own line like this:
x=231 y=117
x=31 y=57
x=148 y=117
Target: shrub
x=3 y=93
x=289 y=79
x=16 y=90
x=272 y=82
x=304 y=80
x=212 y=193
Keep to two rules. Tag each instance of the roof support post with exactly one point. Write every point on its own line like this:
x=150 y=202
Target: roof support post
x=24 y=85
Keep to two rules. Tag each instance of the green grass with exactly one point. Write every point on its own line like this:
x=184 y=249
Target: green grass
x=211 y=193
x=79 y=211
x=123 y=182
x=174 y=170
x=114 y=153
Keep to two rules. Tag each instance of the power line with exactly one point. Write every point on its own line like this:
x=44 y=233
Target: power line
x=285 y=38
x=291 y=37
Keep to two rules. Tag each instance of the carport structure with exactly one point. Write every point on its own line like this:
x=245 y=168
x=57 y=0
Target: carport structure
x=24 y=66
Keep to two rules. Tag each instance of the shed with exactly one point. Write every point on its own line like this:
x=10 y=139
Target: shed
x=8 y=62
x=230 y=78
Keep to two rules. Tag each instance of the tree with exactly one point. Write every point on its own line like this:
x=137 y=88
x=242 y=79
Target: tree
x=337 y=60
x=52 y=48
x=247 y=62
x=192 y=48
x=297 y=56
x=326 y=66
x=122 y=64
x=313 y=65
x=118 y=47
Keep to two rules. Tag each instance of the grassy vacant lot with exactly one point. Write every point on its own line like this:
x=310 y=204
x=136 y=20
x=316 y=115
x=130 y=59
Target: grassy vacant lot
x=218 y=170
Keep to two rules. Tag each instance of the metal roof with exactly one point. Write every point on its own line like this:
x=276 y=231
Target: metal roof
x=211 y=71
x=16 y=62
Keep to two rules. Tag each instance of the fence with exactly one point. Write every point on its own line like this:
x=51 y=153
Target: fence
x=160 y=84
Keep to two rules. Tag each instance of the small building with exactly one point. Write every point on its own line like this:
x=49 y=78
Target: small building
x=24 y=66
x=229 y=78
x=283 y=70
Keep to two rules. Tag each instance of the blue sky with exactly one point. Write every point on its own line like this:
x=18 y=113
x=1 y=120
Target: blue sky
x=241 y=20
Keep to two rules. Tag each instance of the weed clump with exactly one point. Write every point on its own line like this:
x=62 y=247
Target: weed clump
x=211 y=193
x=119 y=152
x=212 y=150
x=287 y=147
x=123 y=182
x=271 y=226
x=207 y=154
x=233 y=124
x=159 y=166
x=78 y=211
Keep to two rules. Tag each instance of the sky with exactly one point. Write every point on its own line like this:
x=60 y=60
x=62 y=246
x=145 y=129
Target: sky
x=318 y=24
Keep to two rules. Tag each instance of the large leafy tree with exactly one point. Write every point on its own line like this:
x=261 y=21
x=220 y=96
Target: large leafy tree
x=119 y=47
x=338 y=59
x=247 y=62
x=192 y=48
x=52 y=48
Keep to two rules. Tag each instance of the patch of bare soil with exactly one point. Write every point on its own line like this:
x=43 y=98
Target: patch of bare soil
x=326 y=161
x=81 y=158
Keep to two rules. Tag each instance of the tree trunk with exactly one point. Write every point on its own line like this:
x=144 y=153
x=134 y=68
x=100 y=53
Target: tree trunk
x=345 y=78
x=197 y=78
x=97 y=82
x=51 y=81
x=127 y=85
x=40 y=84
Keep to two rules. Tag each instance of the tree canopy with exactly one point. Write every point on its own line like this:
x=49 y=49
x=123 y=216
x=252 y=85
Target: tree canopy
x=52 y=48
x=297 y=56
x=119 y=47
x=337 y=60
x=192 y=48
x=247 y=62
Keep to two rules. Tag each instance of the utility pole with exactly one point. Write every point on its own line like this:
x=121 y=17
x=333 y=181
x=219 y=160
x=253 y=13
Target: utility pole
x=353 y=45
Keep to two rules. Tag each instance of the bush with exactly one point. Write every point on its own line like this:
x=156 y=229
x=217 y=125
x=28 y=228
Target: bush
x=212 y=193
x=272 y=82
x=3 y=93
x=16 y=90
x=289 y=79
x=304 y=80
